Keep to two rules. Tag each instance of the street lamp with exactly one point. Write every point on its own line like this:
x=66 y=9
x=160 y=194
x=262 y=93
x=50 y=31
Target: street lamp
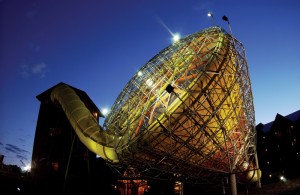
x=211 y=15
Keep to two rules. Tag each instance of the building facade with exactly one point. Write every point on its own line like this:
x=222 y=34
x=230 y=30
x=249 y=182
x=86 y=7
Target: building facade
x=61 y=164
x=278 y=147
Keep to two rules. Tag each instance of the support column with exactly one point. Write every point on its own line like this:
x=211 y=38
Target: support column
x=233 y=188
x=223 y=186
x=68 y=165
x=257 y=169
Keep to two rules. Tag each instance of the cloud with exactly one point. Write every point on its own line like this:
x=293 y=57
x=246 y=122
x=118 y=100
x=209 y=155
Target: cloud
x=15 y=149
x=19 y=153
x=38 y=70
x=22 y=140
x=21 y=157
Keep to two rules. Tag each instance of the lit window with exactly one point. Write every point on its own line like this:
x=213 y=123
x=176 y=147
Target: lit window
x=55 y=166
x=95 y=114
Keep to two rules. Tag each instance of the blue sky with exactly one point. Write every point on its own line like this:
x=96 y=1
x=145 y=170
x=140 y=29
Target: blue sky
x=98 y=45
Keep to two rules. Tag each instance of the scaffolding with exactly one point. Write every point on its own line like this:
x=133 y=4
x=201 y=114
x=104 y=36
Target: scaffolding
x=188 y=114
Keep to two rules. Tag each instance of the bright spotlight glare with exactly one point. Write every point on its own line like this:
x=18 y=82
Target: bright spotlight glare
x=282 y=178
x=27 y=168
x=209 y=14
x=139 y=73
x=176 y=37
x=104 y=111
x=150 y=83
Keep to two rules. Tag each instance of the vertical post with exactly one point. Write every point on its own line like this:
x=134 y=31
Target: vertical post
x=181 y=189
x=257 y=169
x=211 y=15
x=233 y=184
x=225 y=18
x=68 y=165
x=89 y=170
x=223 y=187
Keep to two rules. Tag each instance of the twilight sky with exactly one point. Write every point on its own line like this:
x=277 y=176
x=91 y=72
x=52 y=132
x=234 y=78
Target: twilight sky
x=98 y=45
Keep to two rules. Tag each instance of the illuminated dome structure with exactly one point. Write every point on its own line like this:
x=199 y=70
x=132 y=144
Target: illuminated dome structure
x=186 y=115
x=188 y=112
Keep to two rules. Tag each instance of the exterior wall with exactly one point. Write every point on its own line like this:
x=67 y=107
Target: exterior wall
x=61 y=164
x=278 y=147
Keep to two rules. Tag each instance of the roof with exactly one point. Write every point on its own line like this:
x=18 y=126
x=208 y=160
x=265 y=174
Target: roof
x=292 y=117
x=83 y=96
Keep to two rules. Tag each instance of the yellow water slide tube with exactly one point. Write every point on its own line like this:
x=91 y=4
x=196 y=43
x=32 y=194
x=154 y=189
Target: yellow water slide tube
x=84 y=123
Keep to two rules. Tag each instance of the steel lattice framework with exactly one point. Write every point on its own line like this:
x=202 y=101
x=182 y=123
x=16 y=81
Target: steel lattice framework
x=188 y=113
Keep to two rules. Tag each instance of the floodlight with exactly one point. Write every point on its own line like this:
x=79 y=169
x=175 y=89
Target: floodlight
x=176 y=37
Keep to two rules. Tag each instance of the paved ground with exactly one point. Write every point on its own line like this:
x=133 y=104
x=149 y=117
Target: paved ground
x=291 y=187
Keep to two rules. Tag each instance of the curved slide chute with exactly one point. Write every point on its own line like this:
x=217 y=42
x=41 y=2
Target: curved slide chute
x=85 y=125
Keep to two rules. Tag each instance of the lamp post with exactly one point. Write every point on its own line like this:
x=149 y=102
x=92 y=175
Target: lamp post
x=211 y=15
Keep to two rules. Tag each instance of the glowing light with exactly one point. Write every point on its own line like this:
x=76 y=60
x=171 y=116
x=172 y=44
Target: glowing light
x=149 y=82
x=95 y=114
x=139 y=73
x=176 y=37
x=27 y=168
x=282 y=178
x=209 y=14
x=245 y=165
x=104 y=111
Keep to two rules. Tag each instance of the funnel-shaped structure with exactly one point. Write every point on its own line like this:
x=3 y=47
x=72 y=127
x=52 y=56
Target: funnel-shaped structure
x=188 y=112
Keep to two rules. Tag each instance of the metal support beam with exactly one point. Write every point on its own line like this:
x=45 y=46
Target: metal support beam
x=233 y=188
x=258 y=172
